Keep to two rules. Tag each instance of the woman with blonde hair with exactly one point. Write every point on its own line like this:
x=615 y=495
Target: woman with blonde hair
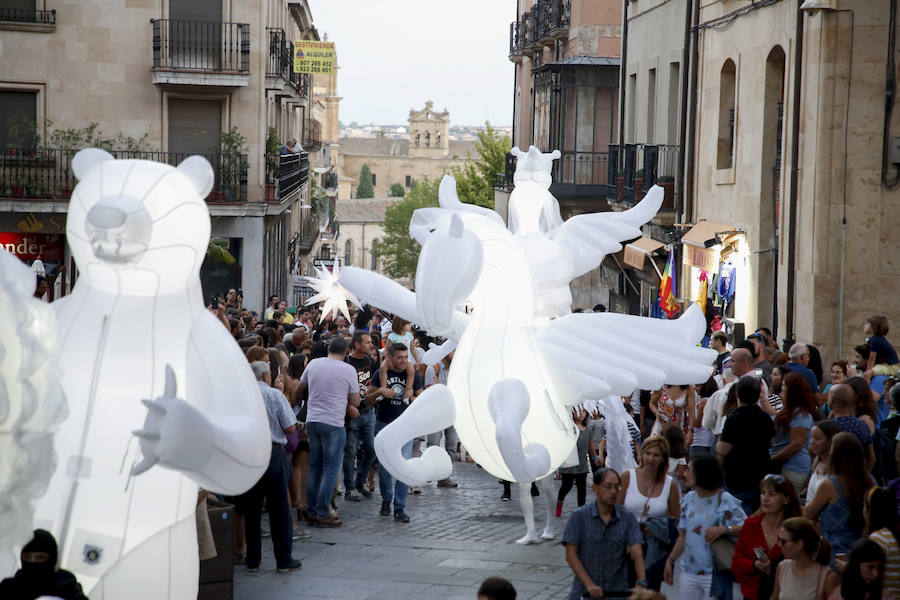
x=647 y=491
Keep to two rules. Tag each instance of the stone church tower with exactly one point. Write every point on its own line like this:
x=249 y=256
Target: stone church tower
x=429 y=132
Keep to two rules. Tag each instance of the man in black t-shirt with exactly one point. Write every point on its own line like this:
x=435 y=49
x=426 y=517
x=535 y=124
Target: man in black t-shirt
x=361 y=429
x=743 y=447
x=391 y=402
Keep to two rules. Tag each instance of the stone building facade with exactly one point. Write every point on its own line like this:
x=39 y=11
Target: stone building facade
x=789 y=154
x=404 y=161
x=180 y=72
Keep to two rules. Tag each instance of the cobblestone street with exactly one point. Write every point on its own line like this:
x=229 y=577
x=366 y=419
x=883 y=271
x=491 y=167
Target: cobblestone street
x=455 y=539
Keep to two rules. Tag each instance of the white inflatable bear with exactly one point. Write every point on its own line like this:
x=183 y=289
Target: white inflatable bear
x=135 y=338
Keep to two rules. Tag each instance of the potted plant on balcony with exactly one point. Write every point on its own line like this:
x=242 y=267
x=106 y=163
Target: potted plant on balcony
x=620 y=184
x=667 y=183
x=638 y=185
x=17 y=187
x=231 y=146
x=273 y=156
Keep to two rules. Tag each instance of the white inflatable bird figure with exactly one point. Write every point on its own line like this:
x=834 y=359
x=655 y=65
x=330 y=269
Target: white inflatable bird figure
x=522 y=360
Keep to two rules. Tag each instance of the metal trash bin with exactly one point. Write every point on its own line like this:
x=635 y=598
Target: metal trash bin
x=217 y=574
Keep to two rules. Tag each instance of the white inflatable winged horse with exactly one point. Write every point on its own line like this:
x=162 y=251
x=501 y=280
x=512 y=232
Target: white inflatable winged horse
x=522 y=359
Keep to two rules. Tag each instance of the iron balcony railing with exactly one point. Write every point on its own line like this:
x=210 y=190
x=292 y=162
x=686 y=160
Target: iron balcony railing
x=201 y=45
x=281 y=62
x=581 y=168
x=546 y=21
x=652 y=161
x=312 y=134
x=46 y=173
x=28 y=15
x=329 y=180
x=293 y=174
x=309 y=231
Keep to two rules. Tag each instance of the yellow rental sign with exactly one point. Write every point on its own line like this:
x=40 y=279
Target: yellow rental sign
x=313 y=57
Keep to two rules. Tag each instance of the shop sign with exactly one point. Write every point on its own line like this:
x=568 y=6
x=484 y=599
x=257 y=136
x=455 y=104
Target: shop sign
x=702 y=258
x=313 y=57
x=31 y=246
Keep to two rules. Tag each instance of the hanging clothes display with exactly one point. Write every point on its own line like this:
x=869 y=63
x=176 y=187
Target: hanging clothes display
x=725 y=288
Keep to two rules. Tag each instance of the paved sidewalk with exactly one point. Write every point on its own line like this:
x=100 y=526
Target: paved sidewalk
x=456 y=538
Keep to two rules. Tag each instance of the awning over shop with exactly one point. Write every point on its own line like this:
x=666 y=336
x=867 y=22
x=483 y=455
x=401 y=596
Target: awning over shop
x=636 y=251
x=702 y=244
x=703 y=234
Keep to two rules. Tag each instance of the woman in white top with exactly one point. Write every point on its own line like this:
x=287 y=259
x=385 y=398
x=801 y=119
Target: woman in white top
x=647 y=491
x=820 y=448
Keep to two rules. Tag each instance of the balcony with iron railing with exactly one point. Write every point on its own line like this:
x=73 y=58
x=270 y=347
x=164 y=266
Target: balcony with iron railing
x=201 y=53
x=309 y=231
x=312 y=135
x=45 y=174
x=547 y=21
x=643 y=166
x=575 y=174
x=280 y=75
x=329 y=180
x=293 y=174
x=27 y=19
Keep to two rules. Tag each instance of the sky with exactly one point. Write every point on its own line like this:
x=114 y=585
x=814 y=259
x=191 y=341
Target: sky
x=396 y=54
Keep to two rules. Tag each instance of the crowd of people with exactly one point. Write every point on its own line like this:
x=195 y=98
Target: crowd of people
x=789 y=489
x=774 y=474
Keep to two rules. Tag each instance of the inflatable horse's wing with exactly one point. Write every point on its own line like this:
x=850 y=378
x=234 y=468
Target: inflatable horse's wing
x=588 y=238
x=592 y=355
x=31 y=405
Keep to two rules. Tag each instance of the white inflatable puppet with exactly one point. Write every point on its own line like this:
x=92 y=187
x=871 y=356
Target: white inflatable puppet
x=154 y=382
x=521 y=361
x=31 y=405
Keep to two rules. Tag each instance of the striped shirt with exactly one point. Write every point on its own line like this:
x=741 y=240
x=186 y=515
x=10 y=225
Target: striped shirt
x=888 y=543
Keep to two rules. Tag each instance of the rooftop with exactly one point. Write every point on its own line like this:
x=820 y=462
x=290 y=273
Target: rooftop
x=394 y=147
x=363 y=210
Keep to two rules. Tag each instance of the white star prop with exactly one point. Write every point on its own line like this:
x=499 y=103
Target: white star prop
x=331 y=292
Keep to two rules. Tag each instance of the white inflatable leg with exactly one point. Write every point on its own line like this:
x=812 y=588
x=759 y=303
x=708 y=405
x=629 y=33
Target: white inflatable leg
x=508 y=403
x=527 y=504
x=431 y=411
x=548 y=491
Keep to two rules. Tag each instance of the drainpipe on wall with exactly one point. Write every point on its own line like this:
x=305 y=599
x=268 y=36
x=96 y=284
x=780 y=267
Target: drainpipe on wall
x=622 y=70
x=692 y=117
x=792 y=199
x=682 y=125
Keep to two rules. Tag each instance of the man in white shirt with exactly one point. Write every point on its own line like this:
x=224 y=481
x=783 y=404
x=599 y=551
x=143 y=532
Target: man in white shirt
x=741 y=366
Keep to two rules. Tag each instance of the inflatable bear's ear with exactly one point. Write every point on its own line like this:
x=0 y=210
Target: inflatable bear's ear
x=199 y=171
x=87 y=159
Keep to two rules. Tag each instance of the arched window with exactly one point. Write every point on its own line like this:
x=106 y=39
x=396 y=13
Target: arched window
x=374 y=252
x=417 y=139
x=348 y=248
x=727 y=115
x=438 y=141
x=428 y=139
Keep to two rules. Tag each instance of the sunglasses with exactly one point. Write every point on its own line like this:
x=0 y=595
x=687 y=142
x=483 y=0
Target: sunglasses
x=774 y=478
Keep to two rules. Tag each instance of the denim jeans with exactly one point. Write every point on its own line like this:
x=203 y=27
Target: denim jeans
x=326 y=447
x=389 y=489
x=273 y=487
x=360 y=429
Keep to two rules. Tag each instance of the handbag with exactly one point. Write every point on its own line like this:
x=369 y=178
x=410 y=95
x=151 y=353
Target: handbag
x=723 y=547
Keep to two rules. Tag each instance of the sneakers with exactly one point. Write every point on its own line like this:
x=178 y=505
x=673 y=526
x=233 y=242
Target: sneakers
x=362 y=490
x=401 y=516
x=291 y=566
x=447 y=483
x=415 y=490
x=253 y=569
x=329 y=521
x=385 y=509
x=300 y=534
x=504 y=497
x=352 y=496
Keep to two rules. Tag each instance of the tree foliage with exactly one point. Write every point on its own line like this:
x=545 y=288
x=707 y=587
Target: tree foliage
x=396 y=190
x=475 y=179
x=365 y=189
x=400 y=252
